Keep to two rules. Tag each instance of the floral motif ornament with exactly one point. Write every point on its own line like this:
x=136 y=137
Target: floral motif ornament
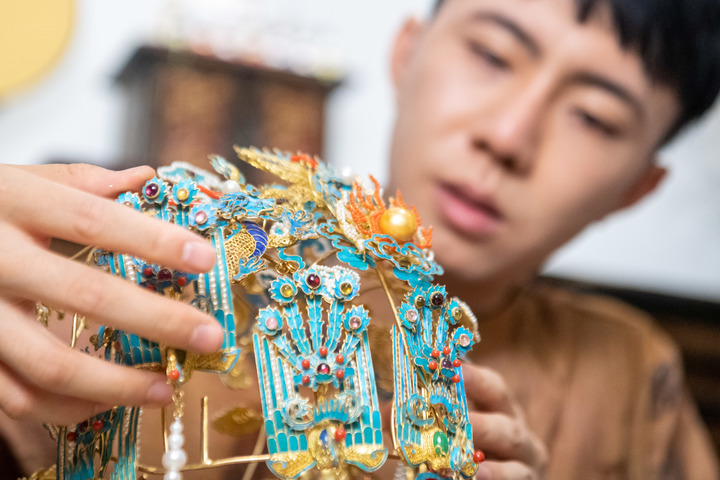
x=359 y=222
x=324 y=354
x=391 y=233
x=431 y=424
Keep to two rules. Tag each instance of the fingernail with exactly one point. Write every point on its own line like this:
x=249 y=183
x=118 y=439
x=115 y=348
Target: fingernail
x=137 y=173
x=198 y=255
x=135 y=169
x=207 y=338
x=159 y=394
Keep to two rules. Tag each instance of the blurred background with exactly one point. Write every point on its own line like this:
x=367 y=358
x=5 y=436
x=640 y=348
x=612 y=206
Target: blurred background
x=152 y=81
x=117 y=83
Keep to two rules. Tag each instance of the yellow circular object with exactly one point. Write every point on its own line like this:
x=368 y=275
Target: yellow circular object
x=346 y=288
x=182 y=194
x=286 y=290
x=33 y=36
x=399 y=223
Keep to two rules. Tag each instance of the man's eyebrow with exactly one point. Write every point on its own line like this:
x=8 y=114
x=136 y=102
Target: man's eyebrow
x=513 y=28
x=613 y=88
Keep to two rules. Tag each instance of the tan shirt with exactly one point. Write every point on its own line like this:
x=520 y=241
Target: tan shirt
x=600 y=384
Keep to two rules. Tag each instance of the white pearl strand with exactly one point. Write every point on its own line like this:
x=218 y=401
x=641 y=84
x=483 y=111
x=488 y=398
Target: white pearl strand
x=175 y=458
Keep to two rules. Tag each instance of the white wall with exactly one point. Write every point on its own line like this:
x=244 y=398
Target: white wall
x=76 y=112
x=668 y=243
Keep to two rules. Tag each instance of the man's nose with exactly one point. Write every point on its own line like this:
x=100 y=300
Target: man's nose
x=510 y=131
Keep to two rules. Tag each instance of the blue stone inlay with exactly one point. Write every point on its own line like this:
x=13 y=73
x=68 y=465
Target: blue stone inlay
x=282 y=442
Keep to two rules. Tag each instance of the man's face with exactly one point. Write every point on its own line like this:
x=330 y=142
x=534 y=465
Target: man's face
x=516 y=127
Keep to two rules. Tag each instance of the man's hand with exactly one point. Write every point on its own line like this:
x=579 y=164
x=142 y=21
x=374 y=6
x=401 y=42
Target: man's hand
x=41 y=378
x=499 y=430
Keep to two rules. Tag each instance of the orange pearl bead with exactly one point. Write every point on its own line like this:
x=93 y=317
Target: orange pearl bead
x=399 y=223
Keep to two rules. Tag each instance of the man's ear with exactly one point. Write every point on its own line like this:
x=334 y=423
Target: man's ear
x=403 y=48
x=645 y=185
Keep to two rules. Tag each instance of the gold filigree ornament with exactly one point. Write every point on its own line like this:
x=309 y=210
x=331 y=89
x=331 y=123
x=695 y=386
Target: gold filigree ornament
x=286 y=289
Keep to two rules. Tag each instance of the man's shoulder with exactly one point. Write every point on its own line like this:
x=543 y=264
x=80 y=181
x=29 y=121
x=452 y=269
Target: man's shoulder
x=597 y=317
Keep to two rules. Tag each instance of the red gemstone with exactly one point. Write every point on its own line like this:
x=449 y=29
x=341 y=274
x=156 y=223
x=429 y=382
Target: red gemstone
x=323 y=351
x=181 y=281
x=478 y=456
x=456 y=378
x=98 y=425
x=432 y=365
x=174 y=375
x=312 y=280
x=71 y=436
x=152 y=190
x=446 y=350
x=305 y=379
x=147 y=272
x=457 y=363
x=340 y=434
x=437 y=299
x=340 y=374
x=83 y=426
x=306 y=363
x=323 y=368
x=339 y=359
x=164 y=275
x=435 y=353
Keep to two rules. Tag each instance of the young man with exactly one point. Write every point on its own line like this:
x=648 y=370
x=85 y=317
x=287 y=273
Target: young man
x=520 y=122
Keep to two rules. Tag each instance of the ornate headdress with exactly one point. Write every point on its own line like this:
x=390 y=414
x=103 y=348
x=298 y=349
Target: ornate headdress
x=295 y=253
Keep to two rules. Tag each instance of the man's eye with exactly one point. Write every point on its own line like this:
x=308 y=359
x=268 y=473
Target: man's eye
x=488 y=57
x=597 y=124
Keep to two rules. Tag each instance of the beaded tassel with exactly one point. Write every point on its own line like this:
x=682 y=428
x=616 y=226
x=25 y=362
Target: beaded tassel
x=175 y=458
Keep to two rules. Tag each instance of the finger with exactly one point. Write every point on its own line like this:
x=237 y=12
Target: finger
x=487 y=390
x=92 y=179
x=502 y=437
x=75 y=287
x=386 y=413
x=26 y=402
x=43 y=361
x=498 y=470
x=59 y=211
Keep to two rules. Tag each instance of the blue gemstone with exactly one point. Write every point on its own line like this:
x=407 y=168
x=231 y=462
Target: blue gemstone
x=324 y=437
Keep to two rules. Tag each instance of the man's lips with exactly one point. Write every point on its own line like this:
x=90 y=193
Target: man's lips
x=470 y=214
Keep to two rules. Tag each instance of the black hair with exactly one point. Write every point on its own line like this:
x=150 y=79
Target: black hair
x=677 y=40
